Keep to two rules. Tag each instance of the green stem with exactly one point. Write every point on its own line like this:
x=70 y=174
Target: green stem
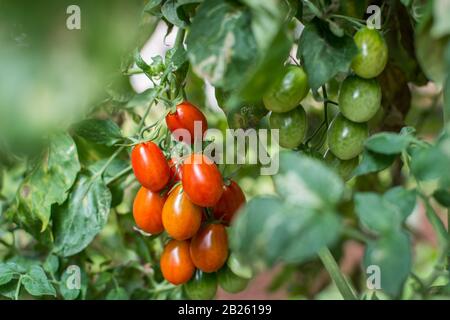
x=180 y=38
x=325 y=104
x=113 y=156
x=333 y=269
x=119 y=175
x=6 y=244
x=19 y=283
x=130 y=72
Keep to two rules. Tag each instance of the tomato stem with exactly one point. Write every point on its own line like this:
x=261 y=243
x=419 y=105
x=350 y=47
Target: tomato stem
x=332 y=267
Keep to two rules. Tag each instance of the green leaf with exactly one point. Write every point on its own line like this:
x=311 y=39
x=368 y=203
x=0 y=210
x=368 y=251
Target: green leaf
x=141 y=99
x=220 y=43
x=430 y=50
x=373 y=162
x=392 y=254
x=8 y=290
x=256 y=82
x=118 y=294
x=153 y=7
x=404 y=200
x=443 y=197
x=273 y=41
x=68 y=290
x=267 y=231
x=375 y=213
x=302 y=233
x=324 y=54
x=430 y=163
x=9 y=271
x=307 y=182
x=35 y=281
x=47 y=184
x=51 y=264
x=82 y=216
x=388 y=143
x=441 y=25
x=105 y=132
x=173 y=11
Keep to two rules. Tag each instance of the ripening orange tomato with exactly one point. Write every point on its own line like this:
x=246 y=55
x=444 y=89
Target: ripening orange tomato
x=147 y=211
x=150 y=166
x=202 y=180
x=209 y=248
x=180 y=217
x=176 y=264
x=185 y=117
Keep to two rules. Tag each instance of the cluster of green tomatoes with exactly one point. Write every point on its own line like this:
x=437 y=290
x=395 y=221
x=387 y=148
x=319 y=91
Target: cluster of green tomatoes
x=359 y=100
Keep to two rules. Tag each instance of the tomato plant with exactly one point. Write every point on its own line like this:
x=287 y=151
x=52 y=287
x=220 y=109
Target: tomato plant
x=95 y=184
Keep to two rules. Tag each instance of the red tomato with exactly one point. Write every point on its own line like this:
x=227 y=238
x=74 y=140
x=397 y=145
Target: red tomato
x=202 y=180
x=147 y=211
x=209 y=248
x=184 y=117
x=176 y=264
x=232 y=199
x=180 y=217
x=150 y=166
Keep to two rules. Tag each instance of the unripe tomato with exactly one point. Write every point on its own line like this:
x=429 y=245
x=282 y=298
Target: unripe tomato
x=292 y=126
x=180 y=217
x=346 y=138
x=344 y=168
x=150 y=166
x=176 y=264
x=373 y=53
x=230 y=202
x=185 y=117
x=147 y=210
x=288 y=90
x=203 y=286
x=359 y=99
x=231 y=282
x=209 y=247
x=201 y=180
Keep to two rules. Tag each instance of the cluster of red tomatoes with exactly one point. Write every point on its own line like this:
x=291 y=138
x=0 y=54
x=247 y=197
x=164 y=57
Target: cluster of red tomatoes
x=174 y=198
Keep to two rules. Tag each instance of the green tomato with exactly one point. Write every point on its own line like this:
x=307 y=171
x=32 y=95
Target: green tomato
x=359 y=99
x=288 y=90
x=203 y=286
x=292 y=126
x=373 y=53
x=247 y=116
x=231 y=282
x=238 y=268
x=346 y=138
x=344 y=168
